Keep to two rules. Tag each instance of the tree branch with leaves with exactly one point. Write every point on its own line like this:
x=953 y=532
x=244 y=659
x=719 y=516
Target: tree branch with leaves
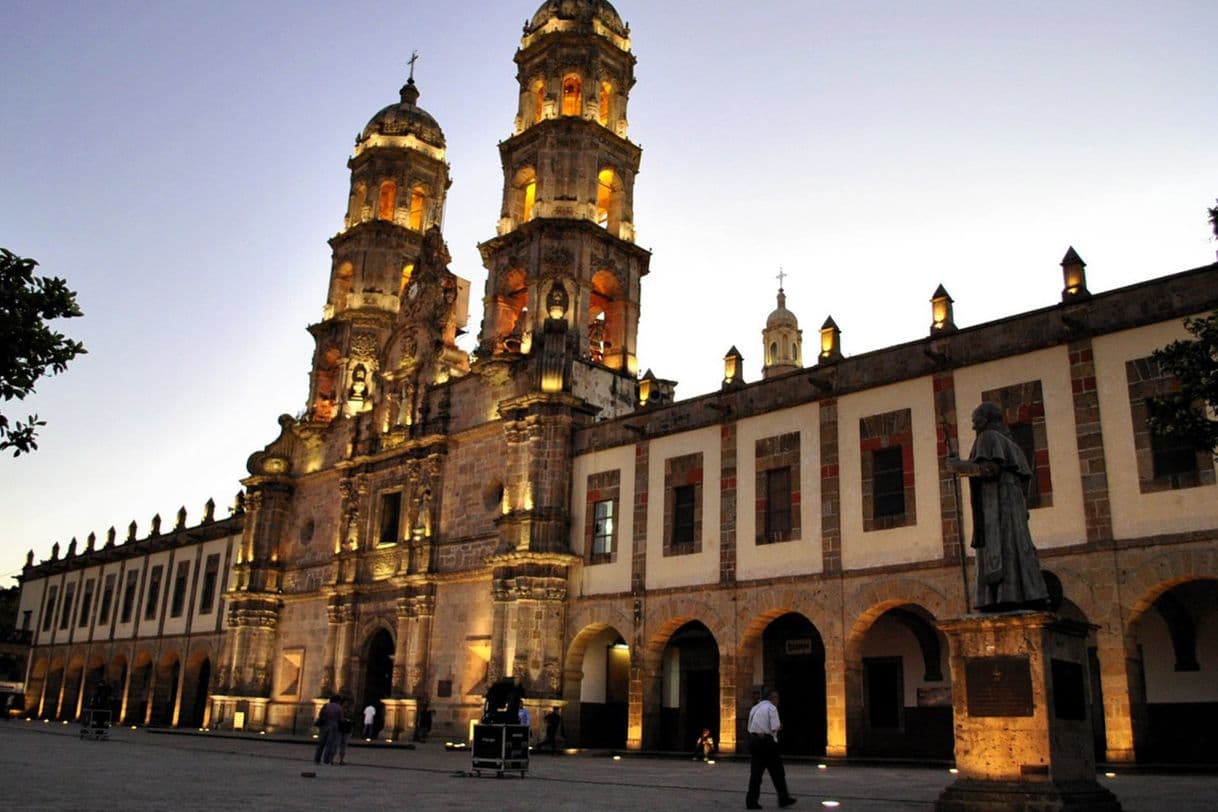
x=29 y=346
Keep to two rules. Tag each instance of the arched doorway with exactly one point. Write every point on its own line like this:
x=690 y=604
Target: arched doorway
x=1176 y=638
x=54 y=686
x=194 y=692
x=689 y=687
x=378 y=674
x=137 y=691
x=907 y=699
x=793 y=663
x=164 y=701
x=604 y=691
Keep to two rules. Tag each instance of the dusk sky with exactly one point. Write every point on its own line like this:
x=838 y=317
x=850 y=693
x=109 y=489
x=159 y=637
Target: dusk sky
x=182 y=165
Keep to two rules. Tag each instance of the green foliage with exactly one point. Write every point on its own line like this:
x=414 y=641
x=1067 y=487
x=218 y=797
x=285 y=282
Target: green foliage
x=1214 y=220
x=1194 y=362
x=29 y=348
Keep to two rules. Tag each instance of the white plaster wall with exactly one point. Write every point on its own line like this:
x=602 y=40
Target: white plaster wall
x=595 y=668
x=1163 y=682
x=604 y=578
x=1064 y=523
x=695 y=568
x=798 y=556
x=1135 y=514
x=901 y=545
x=888 y=638
x=177 y=625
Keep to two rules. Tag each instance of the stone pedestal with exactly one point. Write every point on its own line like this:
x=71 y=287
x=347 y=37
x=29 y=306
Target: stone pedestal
x=1023 y=736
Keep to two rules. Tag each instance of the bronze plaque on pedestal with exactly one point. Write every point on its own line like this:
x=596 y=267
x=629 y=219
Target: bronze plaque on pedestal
x=999 y=686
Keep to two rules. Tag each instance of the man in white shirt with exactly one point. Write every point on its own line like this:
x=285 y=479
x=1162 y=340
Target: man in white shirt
x=369 y=720
x=764 y=725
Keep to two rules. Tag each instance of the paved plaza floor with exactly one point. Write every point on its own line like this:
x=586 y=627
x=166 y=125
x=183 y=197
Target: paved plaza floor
x=47 y=766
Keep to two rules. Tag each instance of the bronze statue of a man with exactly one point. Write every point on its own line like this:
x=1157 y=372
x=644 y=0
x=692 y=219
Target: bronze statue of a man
x=1008 y=570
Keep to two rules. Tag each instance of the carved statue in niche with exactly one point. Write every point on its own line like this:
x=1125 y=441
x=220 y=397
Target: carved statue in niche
x=359 y=383
x=553 y=675
x=557 y=301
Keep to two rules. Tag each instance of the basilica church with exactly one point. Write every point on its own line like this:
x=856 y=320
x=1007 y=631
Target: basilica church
x=436 y=520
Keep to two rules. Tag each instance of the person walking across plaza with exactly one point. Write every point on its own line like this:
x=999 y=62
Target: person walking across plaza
x=369 y=720
x=764 y=756
x=327 y=730
x=344 y=731
x=553 y=721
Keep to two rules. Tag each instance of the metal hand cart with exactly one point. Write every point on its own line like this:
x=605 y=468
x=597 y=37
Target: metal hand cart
x=95 y=724
x=502 y=748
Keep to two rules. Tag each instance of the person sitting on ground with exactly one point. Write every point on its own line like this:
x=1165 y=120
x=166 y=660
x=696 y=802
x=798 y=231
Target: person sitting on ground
x=704 y=748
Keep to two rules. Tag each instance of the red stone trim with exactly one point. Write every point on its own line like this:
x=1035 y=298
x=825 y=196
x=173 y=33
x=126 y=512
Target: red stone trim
x=877 y=432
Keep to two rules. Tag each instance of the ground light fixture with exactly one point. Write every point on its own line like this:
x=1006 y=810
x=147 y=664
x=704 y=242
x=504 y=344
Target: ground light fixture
x=822 y=766
x=830 y=804
x=1110 y=775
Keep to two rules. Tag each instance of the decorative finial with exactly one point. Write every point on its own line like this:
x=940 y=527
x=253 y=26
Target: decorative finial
x=781 y=276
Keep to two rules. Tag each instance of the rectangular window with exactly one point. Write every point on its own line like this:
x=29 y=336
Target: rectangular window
x=154 y=592
x=778 y=504
x=602 y=528
x=391 y=517
x=133 y=583
x=48 y=616
x=889 y=482
x=86 y=603
x=180 y=582
x=65 y=612
x=684 y=499
x=1025 y=438
x=1169 y=456
x=211 y=573
x=107 y=599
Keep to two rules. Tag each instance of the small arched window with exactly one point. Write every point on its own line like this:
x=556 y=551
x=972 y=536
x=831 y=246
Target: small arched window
x=530 y=197
x=418 y=201
x=388 y=200
x=608 y=192
x=539 y=94
x=572 y=91
x=606 y=96
x=773 y=352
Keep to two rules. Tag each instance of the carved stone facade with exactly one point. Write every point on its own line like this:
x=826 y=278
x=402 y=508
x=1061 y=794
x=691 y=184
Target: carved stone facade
x=427 y=527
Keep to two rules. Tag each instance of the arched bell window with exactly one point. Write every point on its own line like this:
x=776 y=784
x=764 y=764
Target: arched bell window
x=539 y=96
x=606 y=97
x=418 y=202
x=387 y=201
x=572 y=92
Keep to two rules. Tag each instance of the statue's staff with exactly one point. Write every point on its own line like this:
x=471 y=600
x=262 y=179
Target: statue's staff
x=947 y=441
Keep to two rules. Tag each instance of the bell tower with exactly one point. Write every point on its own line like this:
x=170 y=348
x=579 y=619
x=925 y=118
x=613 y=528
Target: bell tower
x=399 y=177
x=566 y=227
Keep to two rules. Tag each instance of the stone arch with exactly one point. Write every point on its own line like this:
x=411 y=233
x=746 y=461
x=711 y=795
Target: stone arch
x=597 y=701
x=420 y=197
x=37 y=682
x=784 y=649
x=196 y=684
x=610 y=199
x=1171 y=644
x=386 y=200
x=374 y=678
x=521 y=205
x=73 y=685
x=572 y=102
x=606 y=318
x=163 y=703
x=911 y=607
x=138 y=685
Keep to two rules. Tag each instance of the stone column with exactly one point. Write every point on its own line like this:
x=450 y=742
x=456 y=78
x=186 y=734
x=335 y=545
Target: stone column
x=1124 y=699
x=420 y=647
x=842 y=681
x=727 y=699
x=404 y=612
